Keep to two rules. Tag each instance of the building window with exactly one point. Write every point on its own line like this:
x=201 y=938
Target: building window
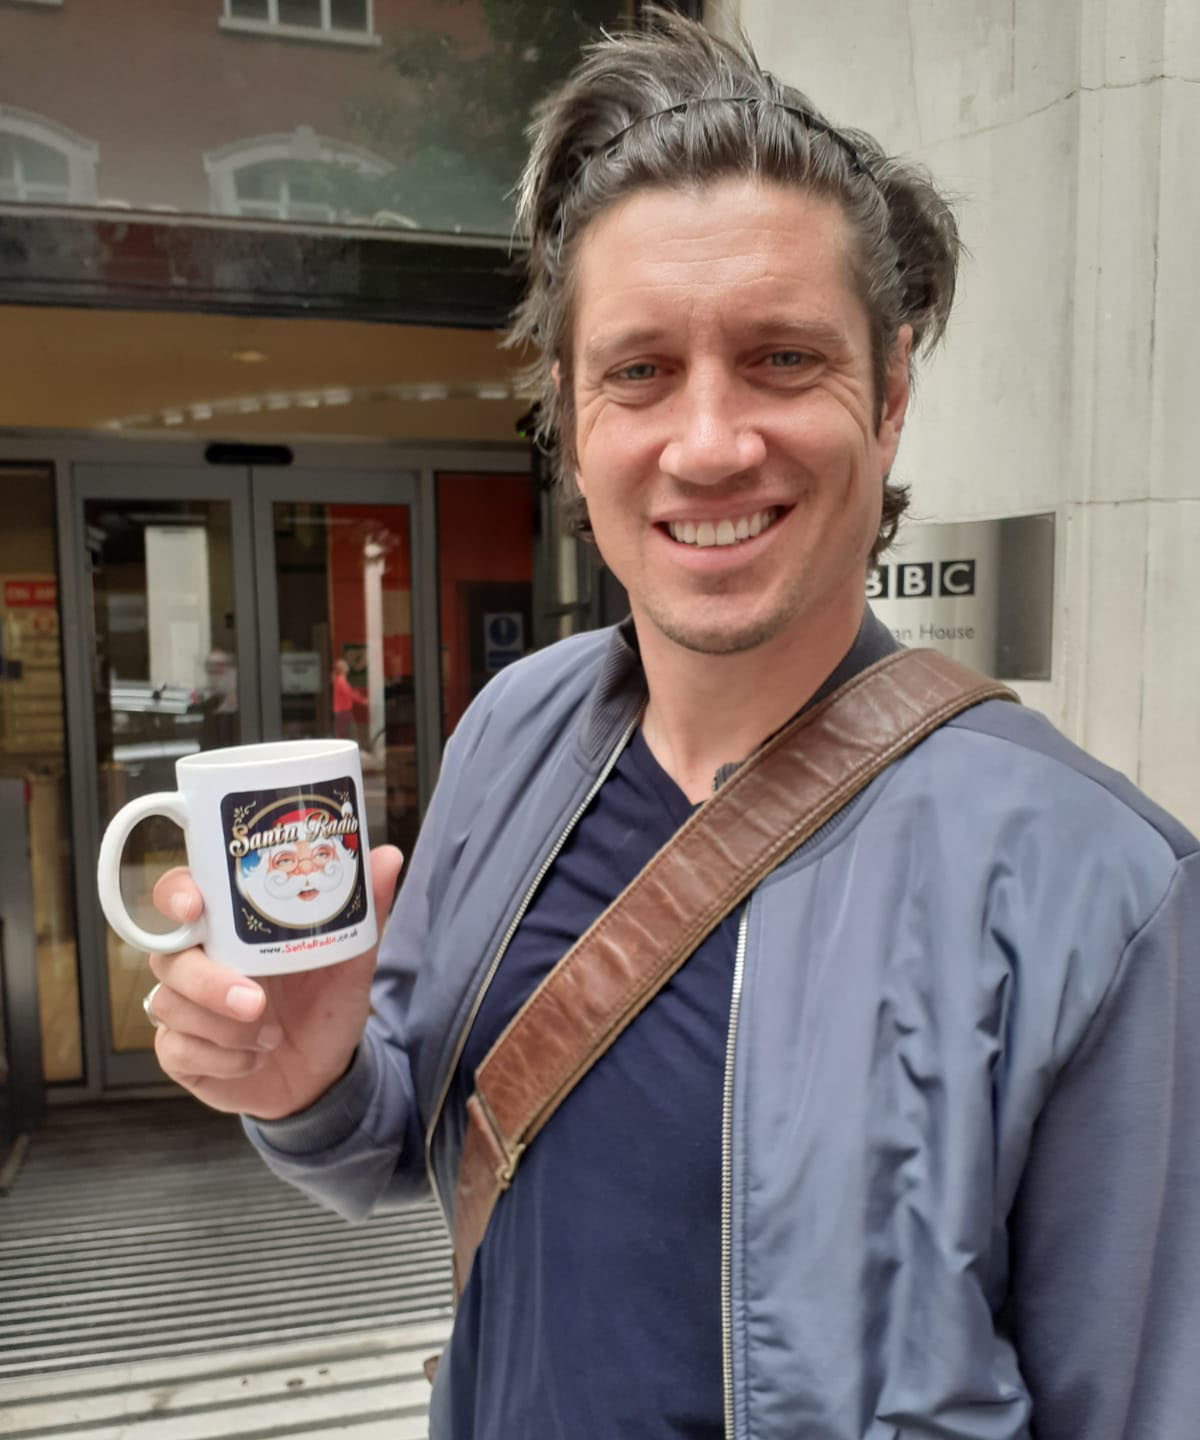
x=281 y=190
x=44 y=163
x=350 y=22
x=302 y=177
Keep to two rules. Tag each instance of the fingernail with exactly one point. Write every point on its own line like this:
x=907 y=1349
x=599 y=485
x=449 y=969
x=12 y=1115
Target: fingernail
x=269 y=1037
x=181 y=906
x=243 y=1000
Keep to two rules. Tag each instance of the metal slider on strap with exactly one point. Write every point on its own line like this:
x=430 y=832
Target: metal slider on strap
x=510 y=1154
x=504 y=1176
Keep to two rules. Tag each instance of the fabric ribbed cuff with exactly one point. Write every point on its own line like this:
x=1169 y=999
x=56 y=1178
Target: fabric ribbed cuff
x=330 y=1120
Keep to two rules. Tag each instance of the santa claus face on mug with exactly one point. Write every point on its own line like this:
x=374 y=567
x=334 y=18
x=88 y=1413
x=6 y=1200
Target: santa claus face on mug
x=300 y=883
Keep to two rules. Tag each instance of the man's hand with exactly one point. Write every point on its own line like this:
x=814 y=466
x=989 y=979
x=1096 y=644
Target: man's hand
x=266 y=1047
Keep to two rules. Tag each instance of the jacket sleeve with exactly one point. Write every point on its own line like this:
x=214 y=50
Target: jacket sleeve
x=1105 y=1232
x=361 y=1144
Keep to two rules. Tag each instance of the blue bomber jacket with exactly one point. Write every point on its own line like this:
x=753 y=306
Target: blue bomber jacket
x=962 y=1127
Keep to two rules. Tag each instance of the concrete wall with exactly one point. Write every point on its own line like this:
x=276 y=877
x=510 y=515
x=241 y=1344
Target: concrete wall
x=1069 y=128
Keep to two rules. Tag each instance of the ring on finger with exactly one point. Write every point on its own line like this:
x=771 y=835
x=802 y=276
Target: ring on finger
x=148 y=1007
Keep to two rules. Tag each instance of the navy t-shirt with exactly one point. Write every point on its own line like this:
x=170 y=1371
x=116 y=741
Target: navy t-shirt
x=593 y=1305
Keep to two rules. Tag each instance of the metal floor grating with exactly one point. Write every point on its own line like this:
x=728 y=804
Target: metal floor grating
x=150 y=1230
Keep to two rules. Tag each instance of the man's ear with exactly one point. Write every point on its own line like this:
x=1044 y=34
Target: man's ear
x=896 y=389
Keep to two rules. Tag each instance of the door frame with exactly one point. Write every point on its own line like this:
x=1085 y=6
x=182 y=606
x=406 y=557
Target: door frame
x=380 y=467
x=104 y=480
x=269 y=487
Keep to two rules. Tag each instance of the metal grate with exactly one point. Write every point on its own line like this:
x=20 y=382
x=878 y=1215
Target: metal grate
x=151 y=1230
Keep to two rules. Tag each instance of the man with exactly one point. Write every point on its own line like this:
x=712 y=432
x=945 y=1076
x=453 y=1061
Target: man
x=909 y=1145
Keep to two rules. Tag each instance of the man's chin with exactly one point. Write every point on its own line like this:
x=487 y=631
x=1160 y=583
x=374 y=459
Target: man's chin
x=720 y=635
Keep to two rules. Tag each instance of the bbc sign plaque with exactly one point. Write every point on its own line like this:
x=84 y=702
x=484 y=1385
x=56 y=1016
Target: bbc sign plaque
x=982 y=592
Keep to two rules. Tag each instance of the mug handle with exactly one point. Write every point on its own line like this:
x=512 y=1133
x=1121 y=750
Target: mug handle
x=170 y=804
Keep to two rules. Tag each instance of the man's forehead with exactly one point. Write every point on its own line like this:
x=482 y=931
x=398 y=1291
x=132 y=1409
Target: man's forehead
x=748 y=256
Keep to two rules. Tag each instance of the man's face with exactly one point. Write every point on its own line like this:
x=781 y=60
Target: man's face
x=727 y=436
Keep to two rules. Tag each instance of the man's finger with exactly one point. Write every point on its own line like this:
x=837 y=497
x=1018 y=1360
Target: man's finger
x=185 y=1055
x=171 y=1010
x=175 y=895
x=209 y=984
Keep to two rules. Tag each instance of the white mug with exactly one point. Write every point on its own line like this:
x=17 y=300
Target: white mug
x=277 y=844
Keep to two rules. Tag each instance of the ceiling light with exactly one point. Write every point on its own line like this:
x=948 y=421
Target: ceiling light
x=249 y=357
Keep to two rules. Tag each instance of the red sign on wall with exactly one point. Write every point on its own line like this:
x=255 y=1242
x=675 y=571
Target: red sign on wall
x=30 y=594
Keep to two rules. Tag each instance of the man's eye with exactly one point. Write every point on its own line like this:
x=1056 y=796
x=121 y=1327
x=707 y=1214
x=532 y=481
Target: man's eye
x=789 y=359
x=643 y=370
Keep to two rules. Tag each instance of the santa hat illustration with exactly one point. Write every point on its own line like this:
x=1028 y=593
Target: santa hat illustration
x=301 y=818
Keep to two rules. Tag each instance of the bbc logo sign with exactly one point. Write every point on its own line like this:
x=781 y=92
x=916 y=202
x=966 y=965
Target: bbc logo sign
x=922 y=580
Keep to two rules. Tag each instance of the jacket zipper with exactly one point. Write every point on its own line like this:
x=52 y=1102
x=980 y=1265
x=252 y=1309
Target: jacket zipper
x=460 y=1045
x=735 y=1003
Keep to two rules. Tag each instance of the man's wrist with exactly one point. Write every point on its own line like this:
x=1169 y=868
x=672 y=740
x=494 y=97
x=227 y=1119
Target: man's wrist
x=332 y=1117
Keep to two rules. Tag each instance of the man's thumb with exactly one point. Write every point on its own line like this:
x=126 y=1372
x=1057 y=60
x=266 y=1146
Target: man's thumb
x=385 y=872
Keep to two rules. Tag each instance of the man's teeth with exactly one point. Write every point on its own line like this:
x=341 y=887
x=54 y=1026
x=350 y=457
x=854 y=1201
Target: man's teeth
x=725 y=532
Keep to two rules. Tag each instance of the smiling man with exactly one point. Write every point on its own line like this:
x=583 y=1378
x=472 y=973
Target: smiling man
x=908 y=1146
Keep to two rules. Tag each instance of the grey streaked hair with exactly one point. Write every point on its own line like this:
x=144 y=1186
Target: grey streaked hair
x=674 y=105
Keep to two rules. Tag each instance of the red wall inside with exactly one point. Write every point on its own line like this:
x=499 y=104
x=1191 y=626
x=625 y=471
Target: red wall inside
x=484 y=533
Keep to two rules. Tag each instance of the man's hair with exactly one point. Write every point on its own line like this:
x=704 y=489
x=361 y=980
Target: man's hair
x=673 y=105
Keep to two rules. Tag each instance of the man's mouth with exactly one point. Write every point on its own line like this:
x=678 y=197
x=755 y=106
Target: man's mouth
x=704 y=534
x=308 y=894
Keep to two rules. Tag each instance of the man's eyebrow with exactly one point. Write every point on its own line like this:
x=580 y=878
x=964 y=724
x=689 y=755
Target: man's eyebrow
x=795 y=329
x=616 y=341
x=792 y=327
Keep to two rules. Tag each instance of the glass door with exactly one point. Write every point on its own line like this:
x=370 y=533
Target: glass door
x=168 y=600
x=226 y=605
x=339 y=573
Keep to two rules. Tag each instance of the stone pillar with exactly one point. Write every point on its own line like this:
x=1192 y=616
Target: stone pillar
x=1068 y=130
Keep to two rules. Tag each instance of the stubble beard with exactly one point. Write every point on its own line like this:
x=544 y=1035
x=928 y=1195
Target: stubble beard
x=729 y=638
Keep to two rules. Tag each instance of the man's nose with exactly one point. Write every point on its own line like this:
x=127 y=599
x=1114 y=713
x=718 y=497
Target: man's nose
x=306 y=867
x=712 y=438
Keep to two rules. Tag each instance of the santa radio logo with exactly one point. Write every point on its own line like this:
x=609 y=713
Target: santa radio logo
x=295 y=863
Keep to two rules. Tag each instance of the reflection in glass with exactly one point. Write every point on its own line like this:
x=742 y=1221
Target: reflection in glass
x=165 y=684
x=300 y=12
x=32 y=748
x=30 y=170
x=281 y=190
x=348 y=14
x=344 y=577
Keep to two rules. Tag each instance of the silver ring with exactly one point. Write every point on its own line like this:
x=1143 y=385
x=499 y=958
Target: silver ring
x=147 y=1003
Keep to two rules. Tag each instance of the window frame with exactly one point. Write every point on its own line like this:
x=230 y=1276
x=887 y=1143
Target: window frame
x=325 y=33
x=222 y=167
x=81 y=155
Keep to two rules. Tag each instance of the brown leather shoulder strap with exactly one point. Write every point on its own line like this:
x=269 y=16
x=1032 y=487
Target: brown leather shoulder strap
x=778 y=798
